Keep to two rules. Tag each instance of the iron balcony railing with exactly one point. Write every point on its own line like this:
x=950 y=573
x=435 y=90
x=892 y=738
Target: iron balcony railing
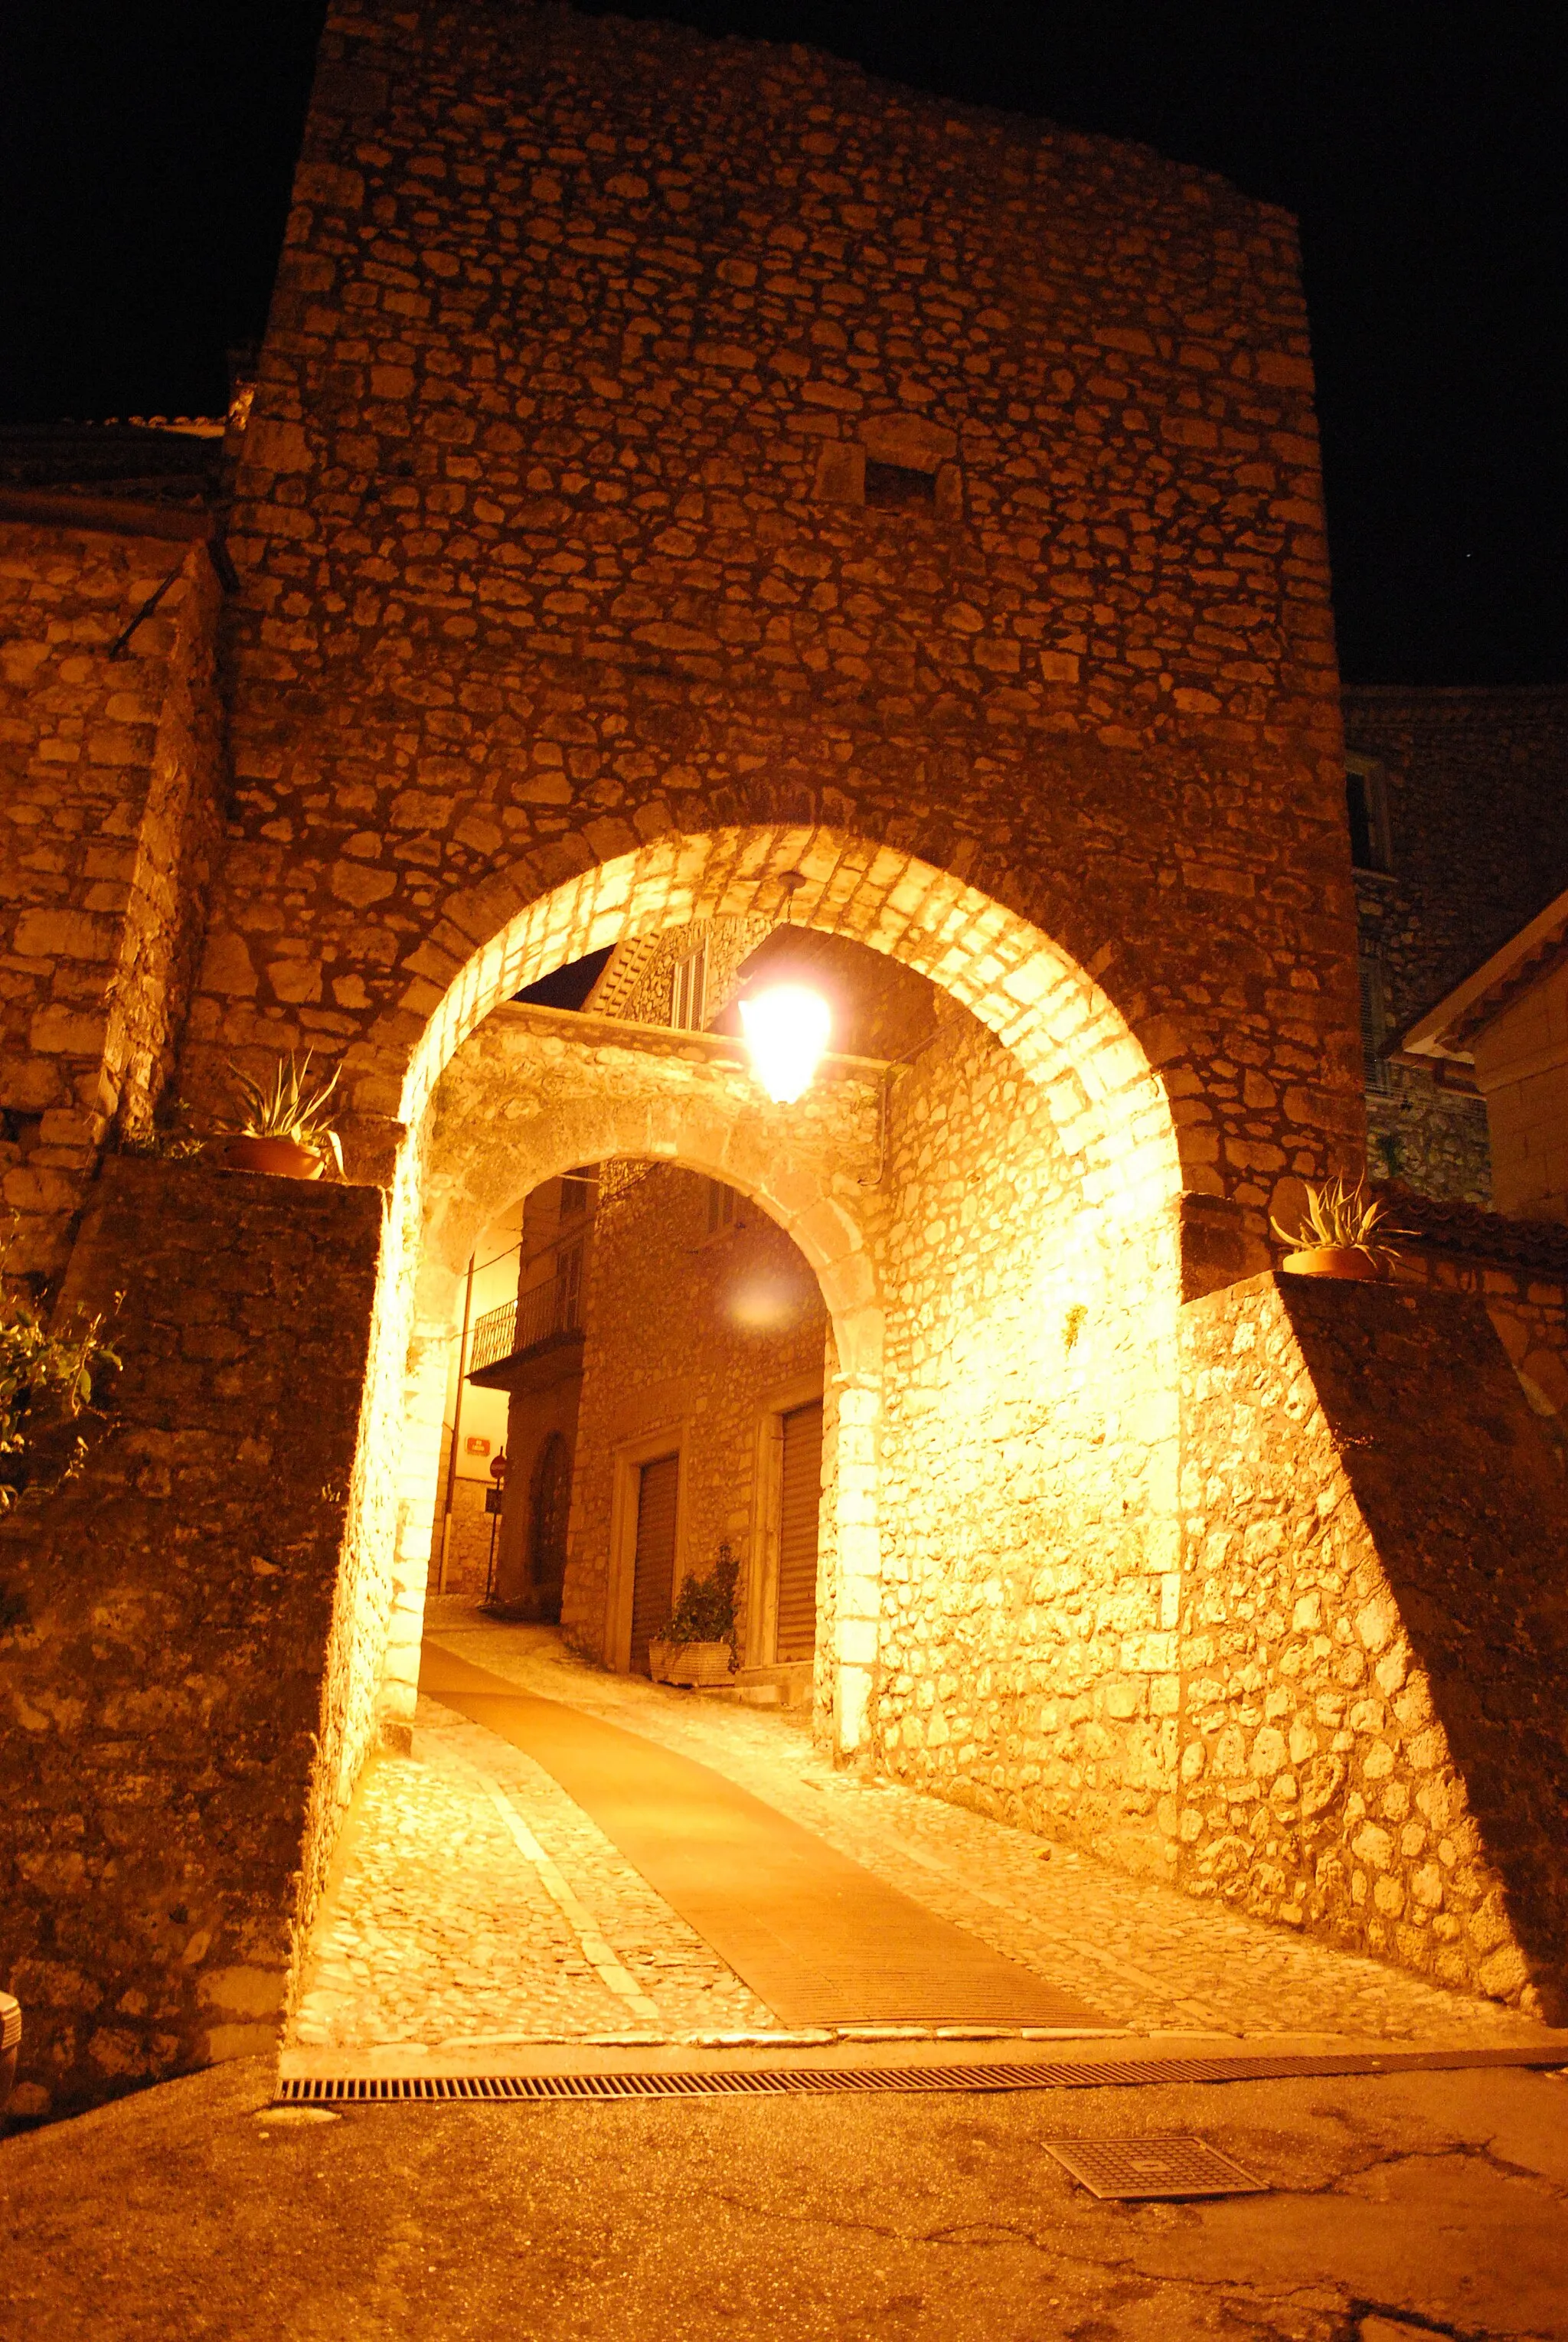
x=540 y=1316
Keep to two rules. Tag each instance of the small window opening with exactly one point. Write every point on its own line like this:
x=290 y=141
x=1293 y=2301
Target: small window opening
x=576 y=1192
x=689 y=990
x=722 y=1203
x=898 y=484
x=569 y=1288
x=1366 y=810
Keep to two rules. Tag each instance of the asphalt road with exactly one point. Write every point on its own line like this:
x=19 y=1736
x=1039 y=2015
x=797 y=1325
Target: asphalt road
x=191 y=2211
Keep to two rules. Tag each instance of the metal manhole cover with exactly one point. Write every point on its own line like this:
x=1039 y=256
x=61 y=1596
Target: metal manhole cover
x=1164 y=2164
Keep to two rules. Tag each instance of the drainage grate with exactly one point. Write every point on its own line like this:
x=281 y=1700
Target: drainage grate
x=1163 y=2164
x=386 y=2089
x=422 y=2089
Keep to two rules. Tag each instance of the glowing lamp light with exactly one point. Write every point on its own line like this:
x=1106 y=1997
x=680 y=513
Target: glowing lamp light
x=787 y=1031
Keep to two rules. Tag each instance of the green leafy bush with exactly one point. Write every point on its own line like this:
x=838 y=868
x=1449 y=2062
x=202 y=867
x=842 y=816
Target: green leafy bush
x=47 y=1376
x=706 y=1609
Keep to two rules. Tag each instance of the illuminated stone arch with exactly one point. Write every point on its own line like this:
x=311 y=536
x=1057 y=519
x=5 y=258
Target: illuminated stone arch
x=1109 y=1103
x=523 y=1101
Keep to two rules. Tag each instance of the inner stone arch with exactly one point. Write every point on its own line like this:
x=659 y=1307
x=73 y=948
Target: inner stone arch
x=1106 y=1097
x=524 y=1100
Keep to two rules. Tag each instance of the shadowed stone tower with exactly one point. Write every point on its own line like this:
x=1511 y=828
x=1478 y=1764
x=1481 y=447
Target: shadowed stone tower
x=674 y=465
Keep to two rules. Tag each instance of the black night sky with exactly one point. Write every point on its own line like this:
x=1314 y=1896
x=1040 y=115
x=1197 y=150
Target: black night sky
x=146 y=154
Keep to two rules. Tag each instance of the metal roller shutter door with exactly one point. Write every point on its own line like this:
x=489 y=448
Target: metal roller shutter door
x=653 y=1572
x=800 y=1504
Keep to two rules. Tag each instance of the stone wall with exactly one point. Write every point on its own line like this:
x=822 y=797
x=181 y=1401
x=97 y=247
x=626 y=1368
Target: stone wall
x=109 y=812
x=556 y=538
x=1518 y=1270
x=1429 y=1132
x=179 y=1708
x=468 y=1546
x=1027 y=1503
x=698 y=1333
x=1373 y=1633
x=1476 y=788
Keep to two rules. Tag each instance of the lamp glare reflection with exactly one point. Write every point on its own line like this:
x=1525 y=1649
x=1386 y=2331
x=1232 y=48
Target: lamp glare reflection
x=787 y=1031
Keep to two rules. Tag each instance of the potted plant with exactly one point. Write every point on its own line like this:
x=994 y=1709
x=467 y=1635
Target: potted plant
x=697 y=1647
x=284 y=1126
x=1342 y=1232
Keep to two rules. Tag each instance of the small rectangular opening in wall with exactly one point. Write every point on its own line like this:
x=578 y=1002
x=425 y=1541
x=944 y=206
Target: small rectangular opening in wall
x=577 y=1189
x=899 y=484
x=722 y=1203
x=1366 y=811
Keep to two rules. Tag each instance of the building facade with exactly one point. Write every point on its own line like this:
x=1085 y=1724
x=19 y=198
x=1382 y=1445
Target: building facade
x=1457 y=802
x=687 y=481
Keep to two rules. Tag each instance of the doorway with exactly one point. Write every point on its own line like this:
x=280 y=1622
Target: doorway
x=653 y=1555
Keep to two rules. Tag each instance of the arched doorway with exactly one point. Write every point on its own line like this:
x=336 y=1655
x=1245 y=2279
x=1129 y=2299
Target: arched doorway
x=997 y=1250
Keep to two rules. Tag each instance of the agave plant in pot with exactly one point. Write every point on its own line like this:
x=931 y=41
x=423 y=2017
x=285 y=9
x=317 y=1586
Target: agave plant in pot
x=697 y=1647
x=1342 y=1232
x=283 y=1125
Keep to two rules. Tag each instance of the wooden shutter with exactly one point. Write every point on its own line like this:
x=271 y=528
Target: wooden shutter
x=1374 y=1026
x=654 y=1571
x=800 y=1503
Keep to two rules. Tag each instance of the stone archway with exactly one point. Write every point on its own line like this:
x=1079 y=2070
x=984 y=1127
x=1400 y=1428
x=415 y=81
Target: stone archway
x=541 y=1101
x=525 y=1097
x=1108 y=1097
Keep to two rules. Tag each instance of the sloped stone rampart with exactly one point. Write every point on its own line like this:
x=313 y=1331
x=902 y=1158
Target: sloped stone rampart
x=165 y=1695
x=1374 y=1633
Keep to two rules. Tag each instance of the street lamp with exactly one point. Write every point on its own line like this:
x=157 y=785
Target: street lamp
x=787 y=1031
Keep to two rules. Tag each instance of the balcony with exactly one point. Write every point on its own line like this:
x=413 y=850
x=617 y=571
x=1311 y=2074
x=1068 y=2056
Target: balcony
x=530 y=1342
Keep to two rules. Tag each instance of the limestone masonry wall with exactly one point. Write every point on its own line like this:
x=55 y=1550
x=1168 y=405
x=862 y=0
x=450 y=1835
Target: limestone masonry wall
x=1374 y=1633
x=556 y=535
x=1030 y=1543
x=162 y=1695
x=109 y=795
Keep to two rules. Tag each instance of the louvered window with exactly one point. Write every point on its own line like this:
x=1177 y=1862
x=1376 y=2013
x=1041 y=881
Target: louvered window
x=689 y=990
x=1374 y=1027
x=800 y=1505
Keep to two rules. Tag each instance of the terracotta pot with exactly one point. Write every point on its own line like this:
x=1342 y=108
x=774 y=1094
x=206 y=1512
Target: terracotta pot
x=1335 y=1260
x=284 y=1158
x=10 y=2038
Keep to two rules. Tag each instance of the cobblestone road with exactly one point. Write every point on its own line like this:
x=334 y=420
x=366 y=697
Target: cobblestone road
x=475 y=1905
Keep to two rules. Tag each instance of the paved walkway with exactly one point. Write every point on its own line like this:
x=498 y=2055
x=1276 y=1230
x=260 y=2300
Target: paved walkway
x=476 y=1908
x=817 y=1936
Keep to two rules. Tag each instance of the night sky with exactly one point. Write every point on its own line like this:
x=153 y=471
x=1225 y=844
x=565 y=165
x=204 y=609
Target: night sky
x=145 y=154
